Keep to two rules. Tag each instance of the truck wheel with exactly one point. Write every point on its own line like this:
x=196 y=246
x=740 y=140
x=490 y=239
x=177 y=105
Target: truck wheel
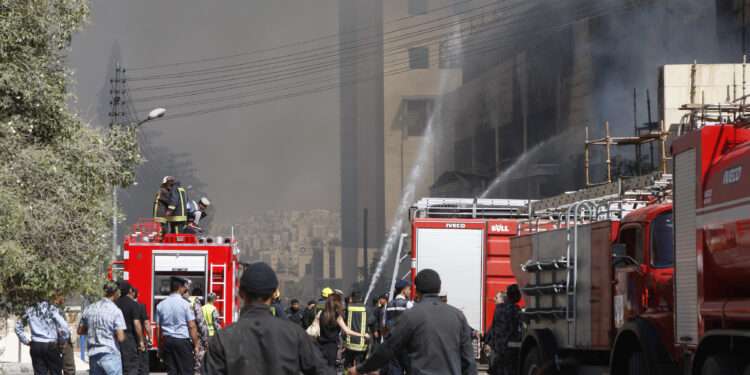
x=720 y=364
x=635 y=364
x=532 y=363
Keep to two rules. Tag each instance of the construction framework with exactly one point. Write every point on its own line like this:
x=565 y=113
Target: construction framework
x=652 y=135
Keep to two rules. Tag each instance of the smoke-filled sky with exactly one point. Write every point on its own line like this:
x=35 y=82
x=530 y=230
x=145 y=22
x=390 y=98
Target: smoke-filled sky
x=281 y=155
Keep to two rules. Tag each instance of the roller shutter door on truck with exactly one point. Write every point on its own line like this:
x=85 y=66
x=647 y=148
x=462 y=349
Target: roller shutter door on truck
x=458 y=256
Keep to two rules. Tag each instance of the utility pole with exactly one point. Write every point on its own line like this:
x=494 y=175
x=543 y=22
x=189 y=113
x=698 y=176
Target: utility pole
x=743 y=28
x=116 y=113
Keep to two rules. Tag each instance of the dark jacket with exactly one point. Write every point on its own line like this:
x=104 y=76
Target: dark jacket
x=178 y=199
x=308 y=317
x=258 y=343
x=162 y=204
x=506 y=326
x=394 y=310
x=436 y=338
x=295 y=316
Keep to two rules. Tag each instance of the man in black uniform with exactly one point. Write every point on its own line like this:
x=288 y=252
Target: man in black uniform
x=133 y=345
x=435 y=335
x=258 y=343
x=294 y=314
x=308 y=316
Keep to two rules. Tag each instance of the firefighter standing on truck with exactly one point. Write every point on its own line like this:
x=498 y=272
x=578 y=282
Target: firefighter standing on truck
x=177 y=218
x=162 y=205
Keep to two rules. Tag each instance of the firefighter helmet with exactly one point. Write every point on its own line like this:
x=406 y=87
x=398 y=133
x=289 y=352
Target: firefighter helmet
x=326 y=292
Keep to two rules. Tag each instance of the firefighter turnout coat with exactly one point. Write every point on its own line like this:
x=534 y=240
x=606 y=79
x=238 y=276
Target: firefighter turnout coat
x=356 y=320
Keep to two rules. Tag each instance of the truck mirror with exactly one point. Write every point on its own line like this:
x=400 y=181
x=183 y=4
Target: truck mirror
x=619 y=250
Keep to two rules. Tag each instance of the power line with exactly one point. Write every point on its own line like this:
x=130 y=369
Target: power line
x=330 y=86
x=293 y=44
x=314 y=53
x=274 y=79
x=311 y=69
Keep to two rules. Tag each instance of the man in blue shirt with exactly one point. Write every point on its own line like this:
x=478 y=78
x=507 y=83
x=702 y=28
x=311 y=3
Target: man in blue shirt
x=103 y=322
x=177 y=329
x=48 y=329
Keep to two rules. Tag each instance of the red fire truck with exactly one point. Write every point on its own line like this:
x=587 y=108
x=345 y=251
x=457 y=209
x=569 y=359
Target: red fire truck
x=660 y=290
x=467 y=241
x=150 y=259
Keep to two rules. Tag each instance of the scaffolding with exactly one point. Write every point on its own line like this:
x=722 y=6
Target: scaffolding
x=648 y=138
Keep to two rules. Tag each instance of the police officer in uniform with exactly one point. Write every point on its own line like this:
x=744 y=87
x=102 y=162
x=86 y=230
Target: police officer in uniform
x=178 y=333
x=435 y=335
x=259 y=343
x=397 y=306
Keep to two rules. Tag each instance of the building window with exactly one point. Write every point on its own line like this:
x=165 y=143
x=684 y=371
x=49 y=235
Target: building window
x=417 y=7
x=449 y=53
x=419 y=58
x=416 y=116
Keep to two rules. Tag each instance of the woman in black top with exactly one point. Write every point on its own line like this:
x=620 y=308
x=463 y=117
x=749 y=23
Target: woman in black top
x=506 y=327
x=331 y=325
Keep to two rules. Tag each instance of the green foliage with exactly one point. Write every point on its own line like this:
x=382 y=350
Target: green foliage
x=57 y=173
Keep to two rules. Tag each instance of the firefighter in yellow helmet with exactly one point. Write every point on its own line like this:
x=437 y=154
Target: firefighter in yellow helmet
x=327 y=291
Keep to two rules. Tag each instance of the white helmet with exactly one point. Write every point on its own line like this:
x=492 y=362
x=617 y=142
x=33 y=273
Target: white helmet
x=204 y=201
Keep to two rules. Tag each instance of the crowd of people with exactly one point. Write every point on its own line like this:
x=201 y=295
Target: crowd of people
x=174 y=210
x=405 y=335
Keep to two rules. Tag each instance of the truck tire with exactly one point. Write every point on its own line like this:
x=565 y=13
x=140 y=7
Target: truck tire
x=532 y=363
x=720 y=364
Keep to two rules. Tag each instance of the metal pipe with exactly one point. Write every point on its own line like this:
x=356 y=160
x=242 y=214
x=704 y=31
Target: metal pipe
x=585 y=159
x=397 y=262
x=609 y=153
x=650 y=144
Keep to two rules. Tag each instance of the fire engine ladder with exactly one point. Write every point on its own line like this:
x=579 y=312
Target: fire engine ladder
x=468 y=208
x=217 y=280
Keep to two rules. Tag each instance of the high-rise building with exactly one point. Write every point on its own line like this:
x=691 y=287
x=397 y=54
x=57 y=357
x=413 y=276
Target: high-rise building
x=361 y=111
x=433 y=66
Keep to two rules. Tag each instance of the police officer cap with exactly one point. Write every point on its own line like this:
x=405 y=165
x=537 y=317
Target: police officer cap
x=401 y=284
x=179 y=279
x=427 y=281
x=260 y=279
x=167 y=179
x=204 y=201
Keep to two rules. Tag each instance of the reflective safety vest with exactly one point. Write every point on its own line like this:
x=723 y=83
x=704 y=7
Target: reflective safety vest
x=208 y=315
x=356 y=320
x=159 y=209
x=180 y=214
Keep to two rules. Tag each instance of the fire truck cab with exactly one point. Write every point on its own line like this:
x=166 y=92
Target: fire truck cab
x=150 y=259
